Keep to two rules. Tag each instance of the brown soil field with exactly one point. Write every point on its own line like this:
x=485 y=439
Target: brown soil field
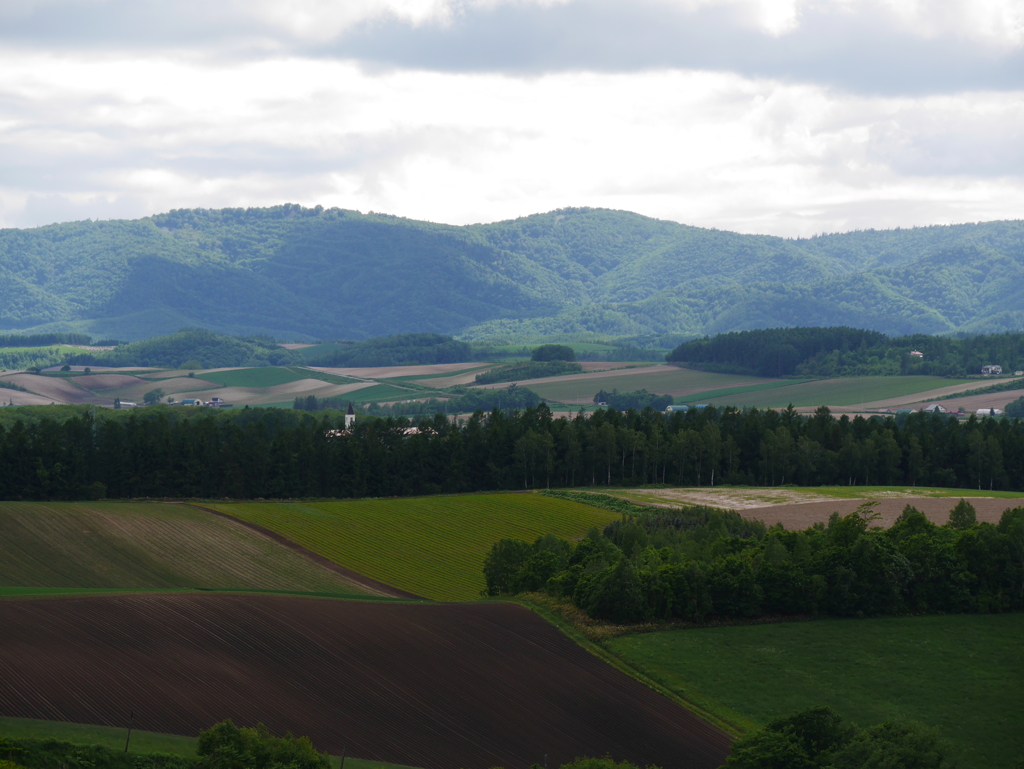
x=582 y=377
x=55 y=389
x=18 y=398
x=431 y=685
x=389 y=372
x=256 y=396
x=184 y=372
x=108 y=381
x=800 y=516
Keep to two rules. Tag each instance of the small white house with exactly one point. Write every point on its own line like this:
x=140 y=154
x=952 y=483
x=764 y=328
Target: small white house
x=991 y=370
x=935 y=408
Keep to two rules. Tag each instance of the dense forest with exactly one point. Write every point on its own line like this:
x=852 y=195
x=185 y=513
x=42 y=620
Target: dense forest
x=69 y=452
x=397 y=350
x=192 y=348
x=311 y=273
x=698 y=563
x=843 y=351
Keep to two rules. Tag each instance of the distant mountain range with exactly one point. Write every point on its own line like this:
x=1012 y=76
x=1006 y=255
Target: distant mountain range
x=299 y=273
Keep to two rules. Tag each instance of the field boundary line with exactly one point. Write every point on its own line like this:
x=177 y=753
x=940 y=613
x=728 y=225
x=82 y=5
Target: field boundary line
x=361 y=580
x=731 y=730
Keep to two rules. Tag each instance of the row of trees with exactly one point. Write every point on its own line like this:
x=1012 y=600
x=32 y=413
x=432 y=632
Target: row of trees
x=845 y=351
x=61 y=452
x=699 y=563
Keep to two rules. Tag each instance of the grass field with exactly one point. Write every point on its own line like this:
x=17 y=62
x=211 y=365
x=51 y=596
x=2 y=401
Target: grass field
x=383 y=392
x=845 y=391
x=139 y=545
x=255 y=377
x=430 y=546
x=668 y=379
x=141 y=742
x=963 y=674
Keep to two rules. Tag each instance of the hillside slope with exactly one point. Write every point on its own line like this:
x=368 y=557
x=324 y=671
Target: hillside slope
x=293 y=272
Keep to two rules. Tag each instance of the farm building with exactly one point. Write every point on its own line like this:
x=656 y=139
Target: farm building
x=916 y=354
x=191 y=402
x=670 y=408
x=991 y=370
x=989 y=412
x=935 y=408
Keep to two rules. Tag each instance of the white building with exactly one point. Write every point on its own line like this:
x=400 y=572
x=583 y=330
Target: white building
x=991 y=370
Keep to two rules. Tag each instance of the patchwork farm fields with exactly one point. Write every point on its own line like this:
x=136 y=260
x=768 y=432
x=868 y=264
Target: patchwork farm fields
x=431 y=546
x=279 y=386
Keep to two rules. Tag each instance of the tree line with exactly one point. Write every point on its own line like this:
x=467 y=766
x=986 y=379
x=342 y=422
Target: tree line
x=161 y=451
x=843 y=351
x=699 y=563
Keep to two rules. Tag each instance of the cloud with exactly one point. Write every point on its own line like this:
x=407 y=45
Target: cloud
x=863 y=46
x=104 y=137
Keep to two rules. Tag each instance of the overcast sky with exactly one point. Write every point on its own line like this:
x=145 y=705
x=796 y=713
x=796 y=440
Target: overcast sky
x=788 y=117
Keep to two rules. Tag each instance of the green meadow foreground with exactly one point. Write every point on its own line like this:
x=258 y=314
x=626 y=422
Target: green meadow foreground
x=431 y=546
x=141 y=741
x=963 y=674
x=144 y=545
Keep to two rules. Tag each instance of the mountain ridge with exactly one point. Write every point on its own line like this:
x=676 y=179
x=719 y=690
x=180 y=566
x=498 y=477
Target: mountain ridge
x=310 y=273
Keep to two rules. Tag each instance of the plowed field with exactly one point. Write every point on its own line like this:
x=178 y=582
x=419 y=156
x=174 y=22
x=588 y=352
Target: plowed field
x=450 y=685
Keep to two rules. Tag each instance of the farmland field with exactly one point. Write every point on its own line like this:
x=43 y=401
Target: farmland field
x=141 y=741
x=844 y=391
x=142 y=545
x=429 y=546
x=432 y=685
x=254 y=377
x=963 y=674
x=679 y=382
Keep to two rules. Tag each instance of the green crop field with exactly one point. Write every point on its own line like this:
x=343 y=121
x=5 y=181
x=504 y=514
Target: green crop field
x=845 y=391
x=430 y=546
x=383 y=392
x=141 y=742
x=963 y=674
x=254 y=377
x=664 y=380
x=140 y=545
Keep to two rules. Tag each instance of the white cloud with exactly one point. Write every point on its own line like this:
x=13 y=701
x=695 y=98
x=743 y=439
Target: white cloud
x=111 y=137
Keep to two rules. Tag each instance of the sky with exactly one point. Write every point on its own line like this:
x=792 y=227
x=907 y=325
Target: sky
x=786 y=117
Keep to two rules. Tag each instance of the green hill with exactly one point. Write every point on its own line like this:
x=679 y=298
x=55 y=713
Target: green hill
x=298 y=273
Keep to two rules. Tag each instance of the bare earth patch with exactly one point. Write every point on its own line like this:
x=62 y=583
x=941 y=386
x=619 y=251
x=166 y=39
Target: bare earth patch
x=798 y=509
x=800 y=516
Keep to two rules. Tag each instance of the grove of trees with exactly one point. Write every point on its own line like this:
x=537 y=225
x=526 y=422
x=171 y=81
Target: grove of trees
x=162 y=451
x=699 y=563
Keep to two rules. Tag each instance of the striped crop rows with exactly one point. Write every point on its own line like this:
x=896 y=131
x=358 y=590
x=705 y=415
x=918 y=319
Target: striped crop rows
x=430 y=546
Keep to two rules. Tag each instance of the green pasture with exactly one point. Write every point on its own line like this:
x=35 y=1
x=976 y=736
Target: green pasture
x=429 y=546
x=669 y=379
x=962 y=674
x=382 y=392
x=146 y=545
x=267 y=376
x=708 y=395
x=843 y=391
x=319 y=349
x=323 y=376
x=141 y=742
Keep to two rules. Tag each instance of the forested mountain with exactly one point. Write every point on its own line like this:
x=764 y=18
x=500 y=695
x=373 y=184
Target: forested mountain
x=300 y=273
